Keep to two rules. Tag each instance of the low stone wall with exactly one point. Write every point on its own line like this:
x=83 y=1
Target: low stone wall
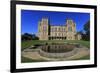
x=58 y=55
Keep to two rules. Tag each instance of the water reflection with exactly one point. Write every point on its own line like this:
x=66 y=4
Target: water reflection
x=61 y=48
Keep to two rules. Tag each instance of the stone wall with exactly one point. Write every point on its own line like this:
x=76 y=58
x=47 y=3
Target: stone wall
x=57 y=55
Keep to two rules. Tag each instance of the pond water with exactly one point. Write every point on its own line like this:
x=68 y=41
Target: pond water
x=58 y=48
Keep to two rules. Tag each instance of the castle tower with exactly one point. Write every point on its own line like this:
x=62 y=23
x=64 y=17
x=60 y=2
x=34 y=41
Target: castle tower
x=71 y=30
x=43 y=29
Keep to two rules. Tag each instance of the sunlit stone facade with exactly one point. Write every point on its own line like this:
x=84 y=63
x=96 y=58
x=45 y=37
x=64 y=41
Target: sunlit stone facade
x=46 y=31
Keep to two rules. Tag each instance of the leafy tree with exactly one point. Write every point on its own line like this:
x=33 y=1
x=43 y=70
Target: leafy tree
x=85 y=33
x=87 y=30
x=35 y=37
x=27 y=36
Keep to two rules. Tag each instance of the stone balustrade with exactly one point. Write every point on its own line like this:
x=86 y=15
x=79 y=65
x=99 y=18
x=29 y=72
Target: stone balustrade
x=57 y=55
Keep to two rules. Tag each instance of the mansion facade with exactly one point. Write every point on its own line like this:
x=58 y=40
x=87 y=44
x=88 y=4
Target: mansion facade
x=46 y=31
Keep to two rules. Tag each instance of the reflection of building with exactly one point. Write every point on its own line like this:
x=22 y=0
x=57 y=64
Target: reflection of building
x=54 y=32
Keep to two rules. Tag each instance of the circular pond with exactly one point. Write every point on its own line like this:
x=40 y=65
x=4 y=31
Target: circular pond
x=56 y=51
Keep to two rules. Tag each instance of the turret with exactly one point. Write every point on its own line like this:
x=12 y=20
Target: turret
x=44 y=28
x=71 y=29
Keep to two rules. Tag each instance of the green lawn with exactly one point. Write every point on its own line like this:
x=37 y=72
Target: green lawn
x=26 y=44
x=83 y=58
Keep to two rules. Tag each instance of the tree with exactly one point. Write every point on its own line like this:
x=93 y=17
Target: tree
x=87 y=30
x=27 y=36
x=35 y=37
x=85 y=33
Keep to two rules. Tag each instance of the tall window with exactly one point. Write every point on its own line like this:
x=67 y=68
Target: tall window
x=44 y=28
x=55 y=29
x=64 y=30
x=60 y=29
x=69 y=29
x=51 y=29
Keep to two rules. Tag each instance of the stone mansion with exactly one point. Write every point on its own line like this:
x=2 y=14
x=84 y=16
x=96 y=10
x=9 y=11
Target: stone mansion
x=46 y=31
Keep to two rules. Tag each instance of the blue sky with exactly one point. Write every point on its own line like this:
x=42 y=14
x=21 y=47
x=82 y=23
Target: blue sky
x=30 y=18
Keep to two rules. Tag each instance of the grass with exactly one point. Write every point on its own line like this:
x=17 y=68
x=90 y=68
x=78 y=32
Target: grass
x=26 y=44
x=83 y=58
